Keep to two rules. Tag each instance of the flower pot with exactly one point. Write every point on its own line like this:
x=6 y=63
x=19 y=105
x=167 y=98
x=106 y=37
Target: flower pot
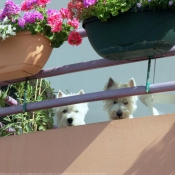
x=23 y=55
x=132 y=34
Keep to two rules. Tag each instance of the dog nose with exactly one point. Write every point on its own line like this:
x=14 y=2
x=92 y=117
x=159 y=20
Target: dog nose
x=119 y=113
x=69 y=120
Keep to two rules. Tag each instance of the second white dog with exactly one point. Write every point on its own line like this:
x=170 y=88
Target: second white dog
x=120 y=108
x=71 y=115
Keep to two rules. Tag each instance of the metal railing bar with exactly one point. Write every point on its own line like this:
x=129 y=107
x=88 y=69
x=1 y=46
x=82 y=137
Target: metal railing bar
x=83 y=66
x=90 y=97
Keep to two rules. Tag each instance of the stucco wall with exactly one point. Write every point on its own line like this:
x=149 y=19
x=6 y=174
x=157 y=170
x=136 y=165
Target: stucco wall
x=142 y=146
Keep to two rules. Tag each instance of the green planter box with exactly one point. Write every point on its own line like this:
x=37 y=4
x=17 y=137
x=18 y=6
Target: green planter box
x=132 y=34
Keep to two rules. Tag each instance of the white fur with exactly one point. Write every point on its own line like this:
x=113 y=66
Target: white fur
x=75 y=112
x=120 y=108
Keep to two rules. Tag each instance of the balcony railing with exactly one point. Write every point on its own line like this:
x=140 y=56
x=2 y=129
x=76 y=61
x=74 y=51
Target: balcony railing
x=89 y=97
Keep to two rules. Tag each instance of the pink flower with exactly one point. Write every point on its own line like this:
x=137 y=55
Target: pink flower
x=65 y=13
x=74 y=38
x=75 y=8
x=57 y=27
x=54 y=20
x=88 y=3
x=74 y=23
x=24 y=6
x=28 y=5
x=43 y=2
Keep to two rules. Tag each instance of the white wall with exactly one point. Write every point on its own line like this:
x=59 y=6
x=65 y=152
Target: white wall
x=94 y=80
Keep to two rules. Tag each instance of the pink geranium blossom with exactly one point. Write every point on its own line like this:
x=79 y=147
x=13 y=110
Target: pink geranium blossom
x=28 y=4
x=43 y=2
x=74 y=23
x=24 y=6
x=54 y=20
x=88 y=3
x=65 y=13
x=57 y=27
x=74 y=38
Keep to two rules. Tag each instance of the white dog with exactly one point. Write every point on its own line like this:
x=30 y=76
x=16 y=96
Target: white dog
x=71 y=115
x=120 y=108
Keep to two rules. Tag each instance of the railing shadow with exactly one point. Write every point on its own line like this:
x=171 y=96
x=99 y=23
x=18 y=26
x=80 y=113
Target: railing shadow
x=157 y=159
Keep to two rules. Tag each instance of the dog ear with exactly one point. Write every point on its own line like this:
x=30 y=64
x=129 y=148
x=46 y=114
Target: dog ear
x=81 y=92
x=131 y=82
x=109 y=84
x=60 y=94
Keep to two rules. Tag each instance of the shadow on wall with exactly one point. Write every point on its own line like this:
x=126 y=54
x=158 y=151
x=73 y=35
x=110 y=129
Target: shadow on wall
x=49 y=151
x=157 y=159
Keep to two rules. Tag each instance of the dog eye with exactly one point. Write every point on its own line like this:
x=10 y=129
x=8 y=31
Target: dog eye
x=64 y=111
x=115 y=102
x=125 y=103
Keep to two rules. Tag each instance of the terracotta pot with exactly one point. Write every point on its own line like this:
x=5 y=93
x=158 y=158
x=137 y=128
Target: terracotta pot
x=23 y=55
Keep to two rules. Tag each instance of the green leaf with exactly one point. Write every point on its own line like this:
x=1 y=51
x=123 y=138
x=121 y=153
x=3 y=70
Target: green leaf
x=7 y=119
x=28 y=128
x=42 y=128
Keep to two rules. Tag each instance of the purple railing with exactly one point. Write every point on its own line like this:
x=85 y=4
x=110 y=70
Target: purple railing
x=10 y=101
x=95 y=96
x=89 y=65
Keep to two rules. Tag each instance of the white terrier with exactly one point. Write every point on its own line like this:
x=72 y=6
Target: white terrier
x=71 y=115
x=120 y=108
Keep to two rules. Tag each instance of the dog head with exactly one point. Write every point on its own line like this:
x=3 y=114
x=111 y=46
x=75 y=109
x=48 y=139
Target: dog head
x=71 y=115
x=120 y=108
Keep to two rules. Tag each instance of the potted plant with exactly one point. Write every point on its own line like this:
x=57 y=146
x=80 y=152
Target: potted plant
x=36 y=90
x=126 y=29
x=28 y=32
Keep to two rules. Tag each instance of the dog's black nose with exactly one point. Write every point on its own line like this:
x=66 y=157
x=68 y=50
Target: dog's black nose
x=69 y=120
x=119 y=114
